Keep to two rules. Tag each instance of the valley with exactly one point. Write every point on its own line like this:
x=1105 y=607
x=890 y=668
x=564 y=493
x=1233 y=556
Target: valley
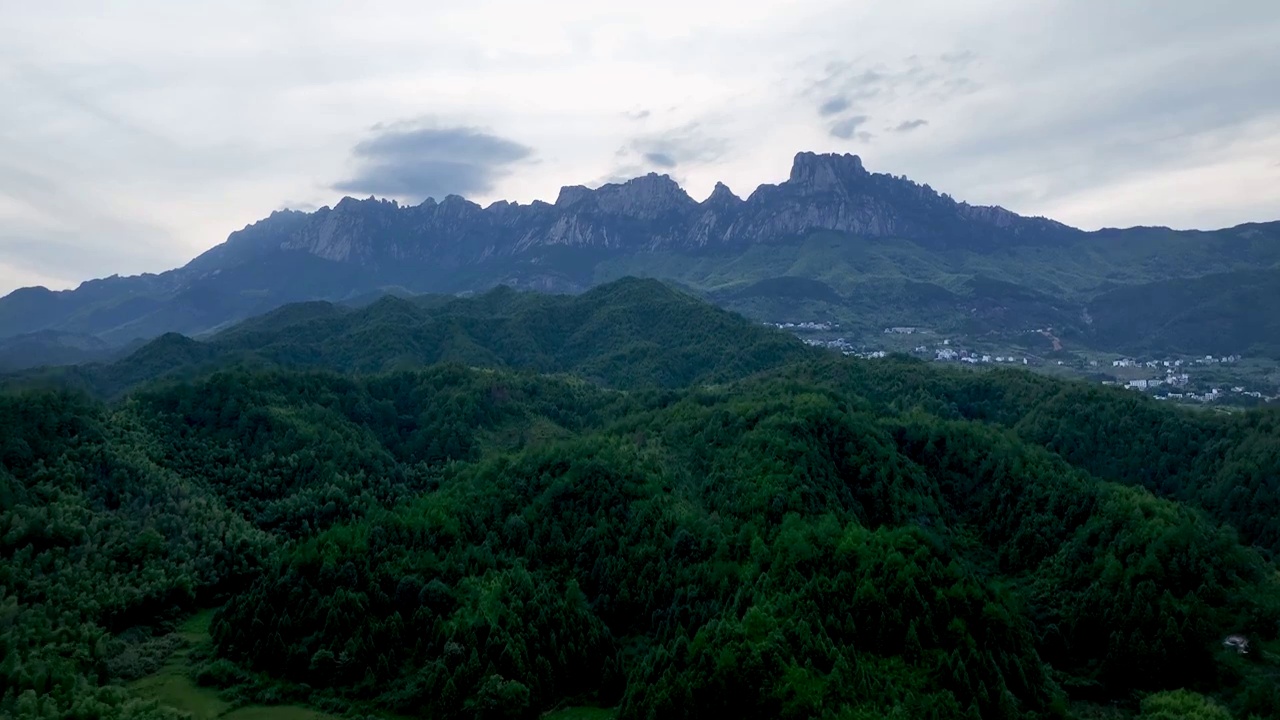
x=1229 y=381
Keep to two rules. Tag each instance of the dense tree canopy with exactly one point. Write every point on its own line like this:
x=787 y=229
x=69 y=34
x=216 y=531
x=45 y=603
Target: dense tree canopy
x=826 y=538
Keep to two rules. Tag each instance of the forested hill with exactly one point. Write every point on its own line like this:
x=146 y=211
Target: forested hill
x=628 y=333
x=1220 y=313
x=717 y=523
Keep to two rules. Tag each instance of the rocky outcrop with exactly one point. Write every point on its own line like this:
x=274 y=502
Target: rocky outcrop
x=823 y=192
x=455 y=244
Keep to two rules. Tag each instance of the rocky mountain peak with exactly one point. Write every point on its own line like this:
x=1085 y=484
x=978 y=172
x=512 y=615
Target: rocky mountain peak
x=649 y=196
x=458 y=205
x=722 y=195
x=454 y=244
x=571 y=195
x=825 y=172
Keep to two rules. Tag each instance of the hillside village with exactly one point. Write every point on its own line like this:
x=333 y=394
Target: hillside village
x=1182 y=379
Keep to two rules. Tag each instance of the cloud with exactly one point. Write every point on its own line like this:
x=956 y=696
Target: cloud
x=909 y=125
x=840 y=79
x=679 y=146
x=138 y=117
x=57 y=254
x=56 y=86
x=848 y=93
x=859 y=85
x=834 y=105
x=40 y=230
x=415 y=160
x=618 y=176
x=682 y=147
x=661 y=159
x=1070 y=137
x=848 y=127
x=958 y=58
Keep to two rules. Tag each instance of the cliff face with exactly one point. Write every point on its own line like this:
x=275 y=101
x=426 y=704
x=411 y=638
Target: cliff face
x=360 y=246
x=823 y=192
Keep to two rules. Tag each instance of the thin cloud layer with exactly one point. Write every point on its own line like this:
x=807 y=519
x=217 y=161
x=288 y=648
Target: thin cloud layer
x=661 y=159
x=834 y=105
x=909 y=125
x=848 y=92
x=674 y=147
x=848 y=128
x=156 y=130
x=413 y=161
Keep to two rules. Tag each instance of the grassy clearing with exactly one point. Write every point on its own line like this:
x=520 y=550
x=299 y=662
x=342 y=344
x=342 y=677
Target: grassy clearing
x=173 y=687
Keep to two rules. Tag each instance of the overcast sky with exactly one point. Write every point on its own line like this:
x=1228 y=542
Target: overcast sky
x=136 y=134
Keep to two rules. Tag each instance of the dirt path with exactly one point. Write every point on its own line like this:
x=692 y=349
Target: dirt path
x=1048 y=332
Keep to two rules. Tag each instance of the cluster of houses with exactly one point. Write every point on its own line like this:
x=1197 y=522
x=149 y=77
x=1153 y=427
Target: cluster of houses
x=839 y=344
x=1206 y=360
x=1178 y=381
x=844 y=347
x=1218 y=394
x=947 y=354
x=1207 y=396
x=1172 y=379
x=804 y=326
x=1171 y=386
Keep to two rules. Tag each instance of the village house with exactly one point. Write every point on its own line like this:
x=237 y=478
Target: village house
x=1239 y=643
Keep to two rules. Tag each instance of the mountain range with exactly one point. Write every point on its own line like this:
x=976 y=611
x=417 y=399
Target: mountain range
x=833 y=242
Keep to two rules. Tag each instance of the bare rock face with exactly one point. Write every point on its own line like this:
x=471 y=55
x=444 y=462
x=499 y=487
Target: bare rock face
x=454 y=244
x=652 y=212
x=650 y=197
x=814 y=174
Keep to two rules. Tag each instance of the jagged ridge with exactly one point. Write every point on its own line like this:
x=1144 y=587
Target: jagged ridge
x=645 y=226
x=823 y=192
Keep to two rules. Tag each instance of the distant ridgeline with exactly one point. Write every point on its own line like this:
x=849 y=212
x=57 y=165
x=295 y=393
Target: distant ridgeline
x=833 y=242
x=629 y=499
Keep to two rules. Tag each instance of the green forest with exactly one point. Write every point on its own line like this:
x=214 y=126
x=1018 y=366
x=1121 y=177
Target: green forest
x=624 y=504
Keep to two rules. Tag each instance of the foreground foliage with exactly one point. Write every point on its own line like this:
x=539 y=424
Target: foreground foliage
x=459 y=543
x=829 y=538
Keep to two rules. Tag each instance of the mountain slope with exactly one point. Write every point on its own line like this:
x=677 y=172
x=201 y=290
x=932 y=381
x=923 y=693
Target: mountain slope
x=831 y=220
x=50 y=347
x=1220 y=314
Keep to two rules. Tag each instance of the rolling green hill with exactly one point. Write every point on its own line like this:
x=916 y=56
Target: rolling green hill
x=630 y=333
x=47 y=348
